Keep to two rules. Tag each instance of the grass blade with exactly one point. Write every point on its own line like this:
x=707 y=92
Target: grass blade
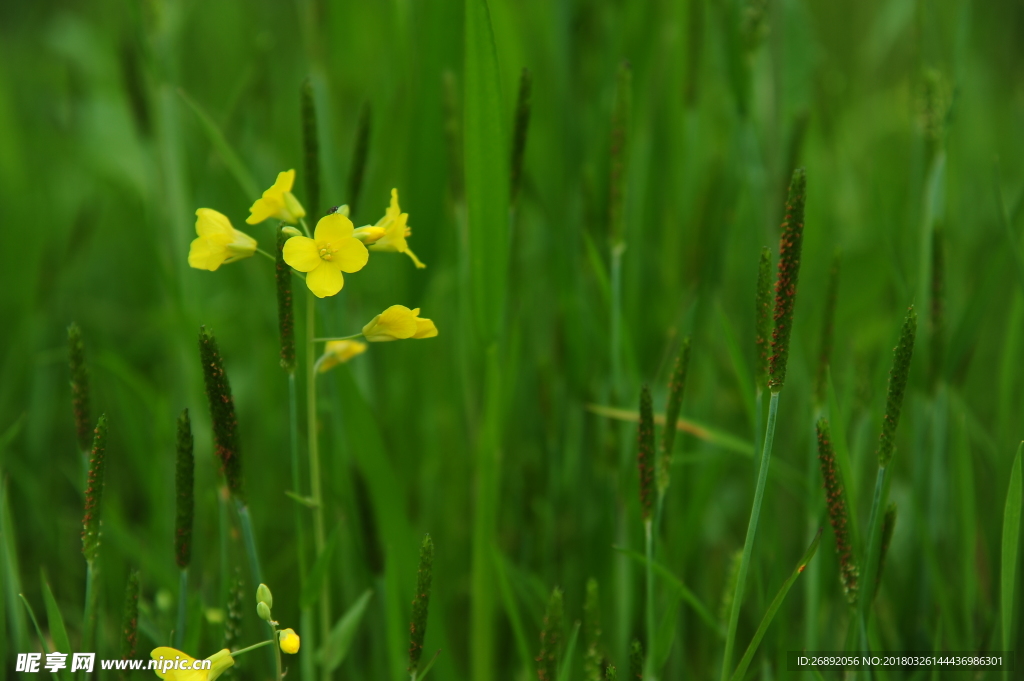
x=565 y=672
x=340 y=639
x=741 y=669
x=486 y=172
x=1011 y=552
x=679 y=586
x=695 y=428
x=232 y=161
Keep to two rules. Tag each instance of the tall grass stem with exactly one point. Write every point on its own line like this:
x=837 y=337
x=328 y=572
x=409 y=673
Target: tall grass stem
x=314 y=463
x=748 y=543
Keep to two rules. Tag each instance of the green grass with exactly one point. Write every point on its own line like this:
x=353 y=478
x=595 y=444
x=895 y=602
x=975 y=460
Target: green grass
x=508 y=437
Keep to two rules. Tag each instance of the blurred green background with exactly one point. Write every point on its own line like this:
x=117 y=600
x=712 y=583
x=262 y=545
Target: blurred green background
x=907 y=116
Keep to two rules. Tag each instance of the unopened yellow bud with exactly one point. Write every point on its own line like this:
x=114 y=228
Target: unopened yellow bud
x=291 y=231
x=369 y=234
x=289 y=641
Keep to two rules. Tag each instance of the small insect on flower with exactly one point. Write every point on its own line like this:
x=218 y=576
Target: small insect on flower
x=278 y=202
x=398 y=323
x=218 y=242
x=331 y=251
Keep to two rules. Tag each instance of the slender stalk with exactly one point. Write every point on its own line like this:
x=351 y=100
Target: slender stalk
x=616 y=317
x=305 y=659
x=748 y=543
x=179 y=627
x=89 y=618
x=249 y=540
x=649 y=552
x=314 y=463
x=254 y=646
x=871 y=556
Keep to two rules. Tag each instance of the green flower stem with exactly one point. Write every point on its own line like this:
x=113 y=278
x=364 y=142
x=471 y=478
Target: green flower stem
x=254 y=647
x=337 y=338
x=748 y=543
x=179 y=628
x=649 y=552
x=314 y=461
x=249 y=540
x=306 y=657
x=305 y=227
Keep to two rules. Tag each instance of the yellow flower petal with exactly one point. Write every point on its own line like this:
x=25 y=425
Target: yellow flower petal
x=220 y=661
x=351 y=255
x=415 y=260
x=277 y=202
x=210 y=222
x=206 y=254
x=339 y=352
x=285 y=181
x=333 y=228
x=425 y=329
x=301 y=253
x=395 y=323
x=325 y=280
x=218 y=241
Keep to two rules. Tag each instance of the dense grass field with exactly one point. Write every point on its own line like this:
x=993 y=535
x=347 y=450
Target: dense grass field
x=589 y=183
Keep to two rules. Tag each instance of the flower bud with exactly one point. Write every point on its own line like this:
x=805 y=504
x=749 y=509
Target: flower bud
x=290 y=231
x=263 y=610
x=289 y=641
x=263 y=595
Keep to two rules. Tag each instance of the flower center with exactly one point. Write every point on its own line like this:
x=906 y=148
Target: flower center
x=326 y=251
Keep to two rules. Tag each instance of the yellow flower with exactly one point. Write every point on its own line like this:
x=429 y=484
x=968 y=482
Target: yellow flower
x=338 y=352
x=396 y=229
x=289 y=641
x=331 y=251
x=177 y=666
x=278 y=202
x=218 y=242
x=397 y=323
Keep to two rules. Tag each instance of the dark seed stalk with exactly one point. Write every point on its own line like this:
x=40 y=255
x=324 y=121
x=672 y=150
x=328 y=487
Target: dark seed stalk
x=676 y=385
x=222 y=413
x=645 y=452
x=285 y=313
x=636 y=660
x=421 y=605
x=790 y=245
x=94 y=492
x=835 y=498
x=762 y=319
x=79 y=388
x=551 y=639
x=130 y=618
x=898 y=376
